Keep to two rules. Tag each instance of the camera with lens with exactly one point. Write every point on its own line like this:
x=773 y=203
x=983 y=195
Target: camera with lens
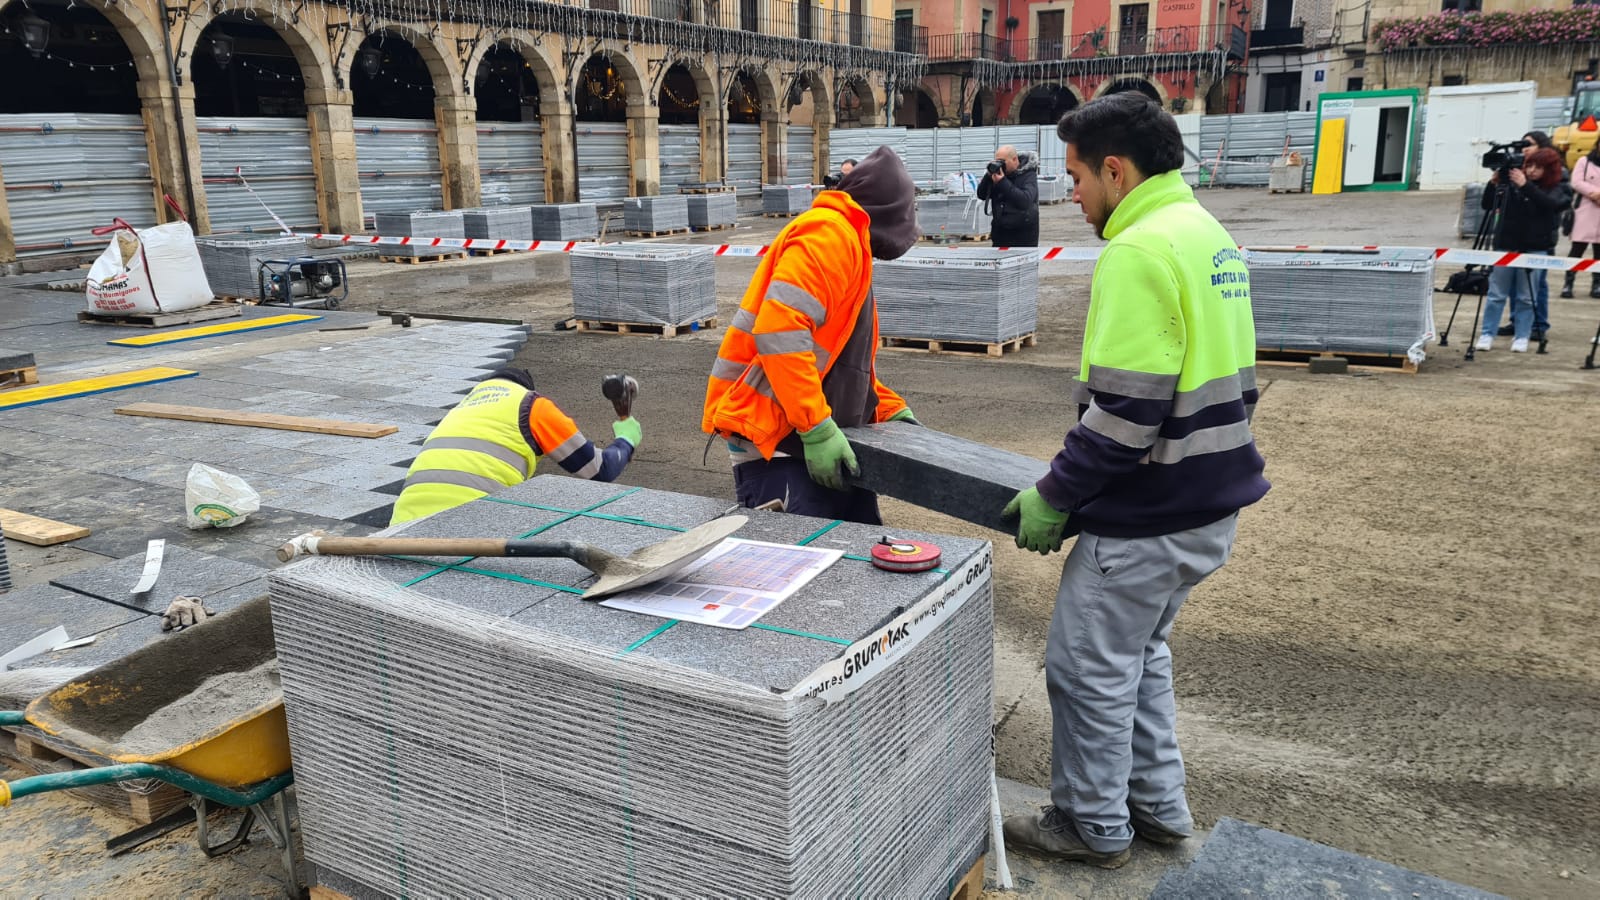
x=1503 y=158
x=995 y=167
x=831 y=181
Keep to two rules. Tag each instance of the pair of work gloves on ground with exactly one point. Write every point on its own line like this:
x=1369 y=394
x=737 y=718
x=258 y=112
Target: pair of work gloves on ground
x=828 y=453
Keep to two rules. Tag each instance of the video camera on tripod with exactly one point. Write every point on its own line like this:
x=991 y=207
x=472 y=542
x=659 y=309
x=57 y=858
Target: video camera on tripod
x=1502 y=158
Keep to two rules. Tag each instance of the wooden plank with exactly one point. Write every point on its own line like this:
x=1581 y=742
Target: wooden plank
x=970 y=887
x=83 y=387
x=37 y=531
x=161 y=320
x=318 y=892
x=256 y=420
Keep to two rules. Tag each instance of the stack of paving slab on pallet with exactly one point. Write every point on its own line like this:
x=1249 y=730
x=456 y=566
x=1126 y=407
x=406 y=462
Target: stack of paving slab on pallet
x=506 y=223
x=565 y=222
x=420 y=225
x=713 y=210
x=232 y=261
x=1054 y=189
x=1377 y=303
x=952 y=215
x=978 y=295
x=656 y=215
x=441 y=717
x=785 y=199
x=647 y=284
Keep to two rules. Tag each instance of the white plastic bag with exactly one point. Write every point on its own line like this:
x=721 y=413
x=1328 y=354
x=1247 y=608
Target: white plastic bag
x=146 y=271
x=215 y=499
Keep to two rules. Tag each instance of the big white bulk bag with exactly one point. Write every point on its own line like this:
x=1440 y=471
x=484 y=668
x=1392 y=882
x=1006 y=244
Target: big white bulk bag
x=147 y=270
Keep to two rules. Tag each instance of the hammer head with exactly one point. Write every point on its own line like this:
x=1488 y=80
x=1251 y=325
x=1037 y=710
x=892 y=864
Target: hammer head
x=620 y=390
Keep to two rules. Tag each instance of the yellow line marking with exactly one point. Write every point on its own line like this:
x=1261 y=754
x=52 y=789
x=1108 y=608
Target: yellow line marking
x=190 y=334
x=86 y=386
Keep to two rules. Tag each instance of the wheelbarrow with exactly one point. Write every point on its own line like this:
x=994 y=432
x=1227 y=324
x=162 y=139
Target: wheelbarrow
x=144 y=713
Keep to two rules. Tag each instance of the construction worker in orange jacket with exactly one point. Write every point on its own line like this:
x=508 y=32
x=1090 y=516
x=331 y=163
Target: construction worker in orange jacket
x=797 y=363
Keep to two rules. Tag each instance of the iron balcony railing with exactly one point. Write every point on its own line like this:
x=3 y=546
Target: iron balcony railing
x=1229 y=39
x=780 y=18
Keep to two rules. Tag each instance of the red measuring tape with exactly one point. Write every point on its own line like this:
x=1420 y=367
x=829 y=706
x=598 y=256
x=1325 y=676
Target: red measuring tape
x=893 y=555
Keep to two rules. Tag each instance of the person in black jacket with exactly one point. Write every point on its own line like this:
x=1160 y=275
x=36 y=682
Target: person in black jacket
x=1529 y=223
x=1010 y=191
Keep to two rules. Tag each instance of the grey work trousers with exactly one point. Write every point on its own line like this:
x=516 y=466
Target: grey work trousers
x=1110 y=677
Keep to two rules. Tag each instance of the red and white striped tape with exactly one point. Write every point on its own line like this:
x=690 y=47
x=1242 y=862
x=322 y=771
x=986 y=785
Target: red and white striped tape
x=1452 y=255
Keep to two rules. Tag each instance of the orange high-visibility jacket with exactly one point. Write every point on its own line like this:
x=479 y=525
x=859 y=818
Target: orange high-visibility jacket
x=796 y=316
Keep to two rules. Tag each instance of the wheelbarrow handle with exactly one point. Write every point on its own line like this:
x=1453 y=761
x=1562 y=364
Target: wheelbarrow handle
x=13 y=717
x=61 y=781
x=313 y=545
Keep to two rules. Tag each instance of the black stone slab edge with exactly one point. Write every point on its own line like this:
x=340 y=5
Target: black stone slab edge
x=15 y=359
x=941 y=472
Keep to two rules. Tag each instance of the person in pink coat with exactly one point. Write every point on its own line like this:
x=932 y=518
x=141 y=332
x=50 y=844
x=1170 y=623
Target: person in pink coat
x=1586 y=218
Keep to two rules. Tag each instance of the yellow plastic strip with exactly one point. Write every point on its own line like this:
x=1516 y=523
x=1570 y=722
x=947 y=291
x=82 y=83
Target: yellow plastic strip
x=205 y=331
x=86 y=386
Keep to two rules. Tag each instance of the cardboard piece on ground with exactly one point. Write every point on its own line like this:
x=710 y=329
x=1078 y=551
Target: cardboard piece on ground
x=37 y=531
x=256 y=420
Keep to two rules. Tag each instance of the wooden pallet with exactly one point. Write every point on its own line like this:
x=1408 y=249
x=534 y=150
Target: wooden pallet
x=773 y=215
x=590 y=325
x=651 y=234
x=1376 y=362
x=161 y=320
x=723 y=227
x=493 y=252
x=969 y=348
x=723 y=189
x=244 y=301
x=429 y=258
x=19 y=376
x=34 y=752
x=952 y=238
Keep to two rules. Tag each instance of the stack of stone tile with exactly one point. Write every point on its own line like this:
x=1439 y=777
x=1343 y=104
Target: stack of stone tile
x=713 y=210
x=232 y=261
x=509 y=223
x=1378 y=302
x=1053 y=189
x=444 y=717
x=448 y=224
x=565 y=222
x=668 y=214
x=642 y=283
x=950 y=215
x=981 y=295
x=785 y=199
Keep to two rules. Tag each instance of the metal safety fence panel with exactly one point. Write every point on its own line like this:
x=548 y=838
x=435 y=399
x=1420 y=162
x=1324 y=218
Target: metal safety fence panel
x=252 y=165
x=398 y=161
x=67 y=174
x=511 y=163
x=602 y=160
x=680 y=156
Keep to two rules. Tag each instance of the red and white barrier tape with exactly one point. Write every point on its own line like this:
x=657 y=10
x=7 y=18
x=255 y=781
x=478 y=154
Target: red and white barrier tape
x=1452 y=255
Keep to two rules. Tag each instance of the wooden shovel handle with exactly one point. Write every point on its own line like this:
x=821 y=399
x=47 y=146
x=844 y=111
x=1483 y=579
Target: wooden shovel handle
x=310 y=545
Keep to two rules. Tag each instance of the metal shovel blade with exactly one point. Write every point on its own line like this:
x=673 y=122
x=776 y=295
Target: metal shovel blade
x=659 y=562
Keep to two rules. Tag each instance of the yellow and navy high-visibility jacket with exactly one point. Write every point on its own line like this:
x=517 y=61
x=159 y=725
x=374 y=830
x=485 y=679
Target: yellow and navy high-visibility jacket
x=1168 y=383
x=493 y=439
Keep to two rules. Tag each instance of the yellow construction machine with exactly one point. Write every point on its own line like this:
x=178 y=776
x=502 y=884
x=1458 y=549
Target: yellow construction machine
x=1577 y=139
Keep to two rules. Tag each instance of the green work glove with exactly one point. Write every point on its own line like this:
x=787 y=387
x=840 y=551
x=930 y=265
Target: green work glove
x=628 y=429
x=826 y=450
x=1040 y=524
x=904 y=415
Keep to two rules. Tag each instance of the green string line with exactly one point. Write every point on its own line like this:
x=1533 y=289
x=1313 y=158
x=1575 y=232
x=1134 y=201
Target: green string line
x=628 y=520
x=818 y=533
x=805 y=634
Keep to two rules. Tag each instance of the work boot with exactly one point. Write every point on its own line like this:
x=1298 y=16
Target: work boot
x=1566 y=285
x=1052 y=833
x=1506 y=330
x=1594 y=286
x=1154 y=830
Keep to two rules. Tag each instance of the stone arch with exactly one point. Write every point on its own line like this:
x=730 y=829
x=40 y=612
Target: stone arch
x=310 y=49
x=857 y=103
x=1065 y=96
x=441 y=63
x=547 y=69
x=918 y=108
x=814 y=82
x=705 y=88
x=626 y=69
x=1147 y=86
x=985 y=109
x=139 y=34
x=768 y=84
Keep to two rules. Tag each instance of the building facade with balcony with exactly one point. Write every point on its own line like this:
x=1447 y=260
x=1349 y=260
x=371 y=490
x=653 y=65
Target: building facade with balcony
x=331 y=111
x=1428 y=43
x=1030 y=61
x=1300 y=49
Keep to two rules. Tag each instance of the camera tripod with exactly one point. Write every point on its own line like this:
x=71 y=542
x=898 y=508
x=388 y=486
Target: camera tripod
x=1474 y=279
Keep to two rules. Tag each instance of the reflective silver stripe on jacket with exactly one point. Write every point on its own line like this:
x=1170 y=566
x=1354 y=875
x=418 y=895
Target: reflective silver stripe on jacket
x=477 y=445
x=1207 y=440
x=457 y=479
x=798 y=299
x=726 y=369
x=567 y=447
x=1124 y=432
x=744 y=320
x=777 y=343
x=1128 y=383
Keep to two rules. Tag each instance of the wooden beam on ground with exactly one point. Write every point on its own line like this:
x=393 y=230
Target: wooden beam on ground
x=256 y=420
x=37 y=531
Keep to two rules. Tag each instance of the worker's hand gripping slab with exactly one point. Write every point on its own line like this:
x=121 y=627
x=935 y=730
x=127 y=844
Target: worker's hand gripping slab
x=1039 y=524
x=827 y=449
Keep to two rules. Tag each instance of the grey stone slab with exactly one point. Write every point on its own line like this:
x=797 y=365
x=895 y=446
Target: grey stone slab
x=1243 y=860
x=238 y=595
x=29 y=612
x=321 y=499
x=431 y=399
x=109 y=645
x=161 y=469
x=942 y=472
x=583 y=620
x=15 y=359
x=361 y=476
x=183 y=571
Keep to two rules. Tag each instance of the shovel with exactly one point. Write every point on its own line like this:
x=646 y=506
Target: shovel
x=617 y=573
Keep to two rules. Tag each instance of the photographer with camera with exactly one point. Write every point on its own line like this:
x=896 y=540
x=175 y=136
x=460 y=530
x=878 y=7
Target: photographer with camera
x=1530 y=196
x=1010 y=192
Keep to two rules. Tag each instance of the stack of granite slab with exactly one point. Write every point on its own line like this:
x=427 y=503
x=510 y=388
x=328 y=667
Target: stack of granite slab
x=785 y=199
x=1376 y=302
x=952 y=215
x=506 y=223
x=440 y=717
x=232 y=262
x=425 y=224
x=642 y=283
x=708 y=211
x=656 y=215
x=565 y=222
x=1053 y=189
x=979 y=295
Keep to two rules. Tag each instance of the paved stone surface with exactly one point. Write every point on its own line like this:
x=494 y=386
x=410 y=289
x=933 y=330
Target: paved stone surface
x=34 y=610
x=183 y=571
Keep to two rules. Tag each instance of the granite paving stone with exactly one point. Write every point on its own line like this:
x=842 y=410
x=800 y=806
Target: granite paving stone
x=322 y=499
x=361 y=476
x=110 y=644
x=34 y=610
x=183 y=571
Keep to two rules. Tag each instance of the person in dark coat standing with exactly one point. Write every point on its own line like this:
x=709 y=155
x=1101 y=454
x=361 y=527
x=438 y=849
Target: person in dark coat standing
x=1010 y=191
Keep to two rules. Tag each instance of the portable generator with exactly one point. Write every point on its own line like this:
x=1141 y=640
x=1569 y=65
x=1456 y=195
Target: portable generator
x=302 y=282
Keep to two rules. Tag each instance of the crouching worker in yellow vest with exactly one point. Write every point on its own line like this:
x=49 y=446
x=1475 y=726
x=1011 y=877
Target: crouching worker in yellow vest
x=494 y=438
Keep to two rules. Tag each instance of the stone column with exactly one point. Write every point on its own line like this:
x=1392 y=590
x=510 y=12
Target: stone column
x=644 y=148
x=167 y=146
x=333 y=157
x=560 y=151
x=8 y=238
x=457 y=117
x=713 y=141
x=775 y=141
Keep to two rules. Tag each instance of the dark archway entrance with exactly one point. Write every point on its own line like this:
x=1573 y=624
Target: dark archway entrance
x=510 y=132
x=1045 y=105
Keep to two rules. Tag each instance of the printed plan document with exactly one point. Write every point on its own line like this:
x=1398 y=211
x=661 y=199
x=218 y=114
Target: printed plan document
x=732 y=586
